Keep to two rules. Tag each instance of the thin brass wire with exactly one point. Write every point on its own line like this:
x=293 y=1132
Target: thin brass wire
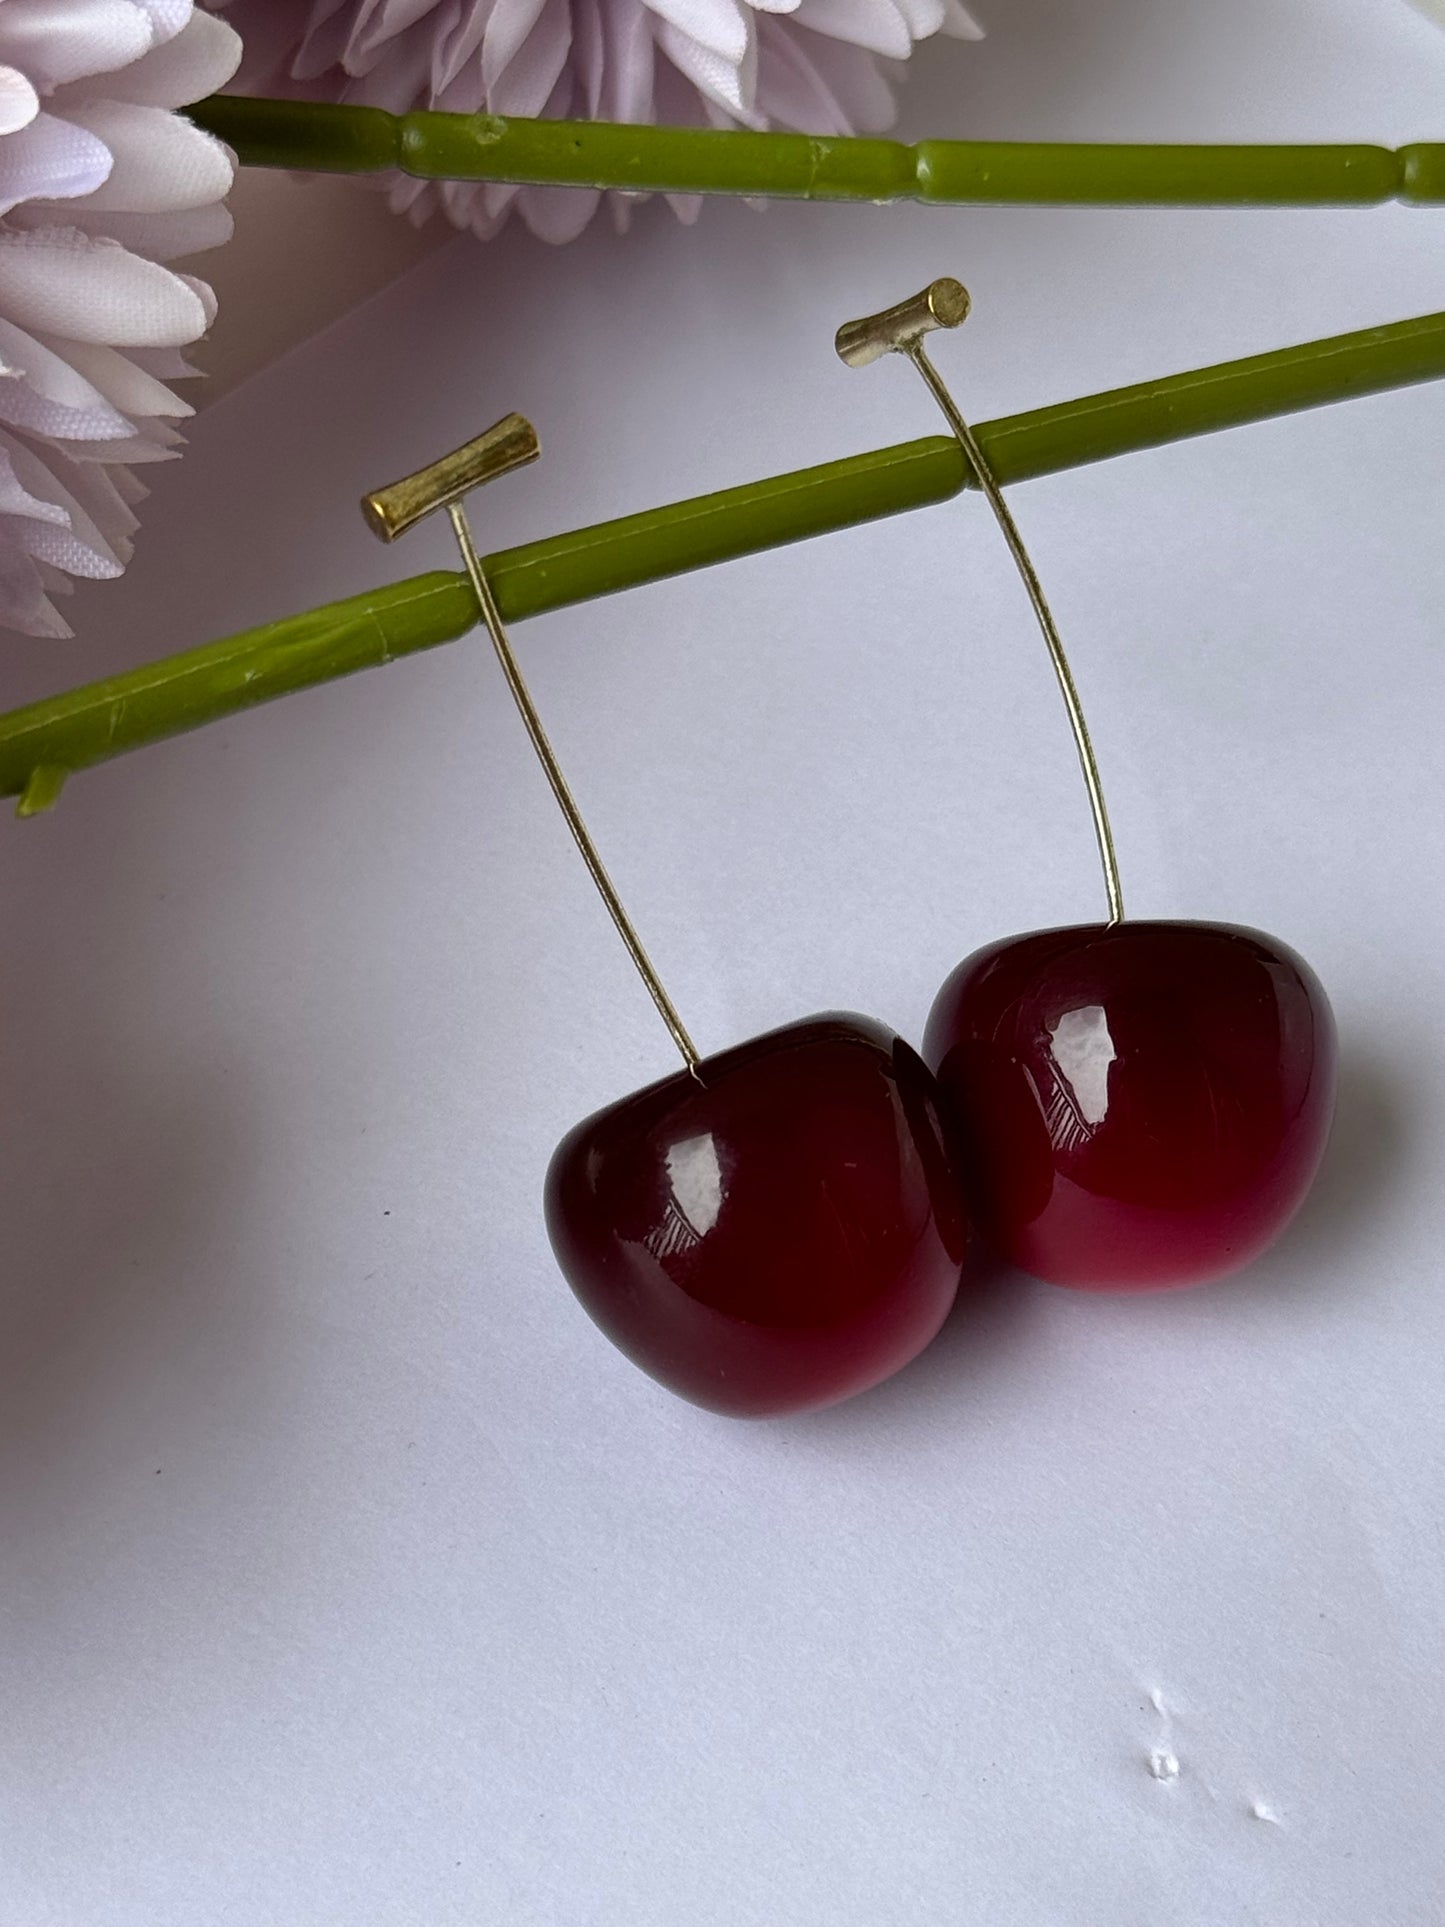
x=918 y=355
x=546 y=756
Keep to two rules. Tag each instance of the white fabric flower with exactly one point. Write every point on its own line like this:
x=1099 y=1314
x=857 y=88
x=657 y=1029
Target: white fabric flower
x=102 y=186
x=811 y=65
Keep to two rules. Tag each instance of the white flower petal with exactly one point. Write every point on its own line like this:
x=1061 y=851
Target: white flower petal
x=17 y=500
x=160 y=161
x=166 y=364
x=51 y=157
x=19 y=102
x=57 y=41
x=923 y=18
x=203 y=292
x=24 y=605
x=159 y=237
x=22 y=408
x=159 y=444
x=71 y=541
x=199 y=60
x=105 y=494
x=98 y=182
x=714 y=77
x=118 y=379
x=719 y=26
x=959 y=23
x=62 y=282
x=874 y=24
x=127 y=489
x=167 y=17
x=61 y=401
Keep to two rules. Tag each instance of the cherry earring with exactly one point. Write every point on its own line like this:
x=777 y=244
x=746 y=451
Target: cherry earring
x=768 y=1230
x=1140 y=1105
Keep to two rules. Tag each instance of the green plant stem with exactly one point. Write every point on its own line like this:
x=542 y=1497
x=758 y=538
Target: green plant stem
x=324 y=137
x=44 y=743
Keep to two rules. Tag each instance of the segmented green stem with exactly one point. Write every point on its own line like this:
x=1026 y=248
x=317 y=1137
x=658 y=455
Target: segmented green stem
x=324 y=137
x=44 y=743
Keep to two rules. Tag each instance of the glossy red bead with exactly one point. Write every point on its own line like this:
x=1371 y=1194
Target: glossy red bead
x=1137 y=1106
x=775 y=1234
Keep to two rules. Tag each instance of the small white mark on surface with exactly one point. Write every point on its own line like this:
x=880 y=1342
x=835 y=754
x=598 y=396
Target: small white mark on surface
x=1262 y=1810
x=1163 y=1764
x=697 y=1182
x=1083 y=1051
x=1158 y=1702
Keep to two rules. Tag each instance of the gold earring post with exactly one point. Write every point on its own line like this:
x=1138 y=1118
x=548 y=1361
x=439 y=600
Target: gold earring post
x=900 y=330
x=390 y=511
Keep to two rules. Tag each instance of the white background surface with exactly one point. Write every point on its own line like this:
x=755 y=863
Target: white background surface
x=348 y=1575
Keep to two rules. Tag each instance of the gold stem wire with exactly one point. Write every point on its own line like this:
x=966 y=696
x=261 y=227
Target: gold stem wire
x=546 y=756
x=918 y=355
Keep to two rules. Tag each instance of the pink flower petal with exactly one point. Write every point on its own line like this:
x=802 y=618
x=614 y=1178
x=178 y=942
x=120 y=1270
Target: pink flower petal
x=627 y=29
x=379 y=21
x=324 y=44
x=589 y=56
x=508 y=26
x=791 y=91
x=852 y=76
x=457 y=49
x=558 y=214
x=525 y=84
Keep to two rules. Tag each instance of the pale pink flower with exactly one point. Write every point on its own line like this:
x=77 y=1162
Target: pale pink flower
x=102 y=186
x=812 y=65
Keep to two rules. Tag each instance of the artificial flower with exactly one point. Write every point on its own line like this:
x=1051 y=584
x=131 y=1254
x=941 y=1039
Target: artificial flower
x=810 y=65
x=102 y=187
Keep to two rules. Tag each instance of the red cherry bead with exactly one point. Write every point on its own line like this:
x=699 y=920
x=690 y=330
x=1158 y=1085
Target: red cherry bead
x=777 y=1233
x=1140 y=1105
